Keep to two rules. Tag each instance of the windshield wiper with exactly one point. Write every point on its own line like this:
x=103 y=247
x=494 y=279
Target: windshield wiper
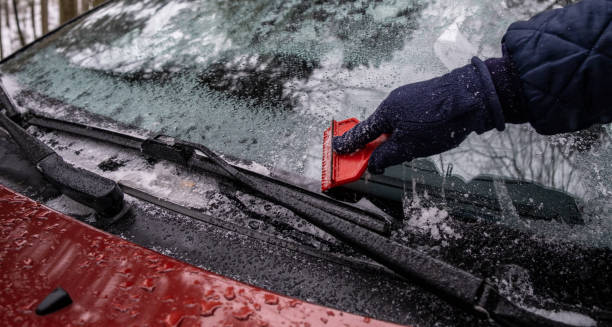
x=451 y=283
x=459 y=287
x=183 y=153
x=97 y=192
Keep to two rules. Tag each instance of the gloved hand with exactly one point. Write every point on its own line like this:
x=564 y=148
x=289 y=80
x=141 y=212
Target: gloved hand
x=428 y=117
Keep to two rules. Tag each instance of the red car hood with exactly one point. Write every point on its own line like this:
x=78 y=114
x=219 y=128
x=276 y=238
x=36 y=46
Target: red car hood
x=113 y=282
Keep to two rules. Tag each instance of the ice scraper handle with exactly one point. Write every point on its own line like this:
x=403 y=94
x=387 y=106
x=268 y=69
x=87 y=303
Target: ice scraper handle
x=428 y=117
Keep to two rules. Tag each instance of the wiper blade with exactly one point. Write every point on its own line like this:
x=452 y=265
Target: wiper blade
x=459 y=287
x=456 y=285
x=97 y=192
x=183 y=153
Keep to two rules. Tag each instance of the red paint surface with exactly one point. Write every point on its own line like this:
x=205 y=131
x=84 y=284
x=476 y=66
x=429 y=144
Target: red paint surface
x=113 y=282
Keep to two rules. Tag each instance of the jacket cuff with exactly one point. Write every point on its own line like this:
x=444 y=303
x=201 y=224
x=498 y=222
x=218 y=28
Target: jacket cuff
x=509 y=88
x=491 y=96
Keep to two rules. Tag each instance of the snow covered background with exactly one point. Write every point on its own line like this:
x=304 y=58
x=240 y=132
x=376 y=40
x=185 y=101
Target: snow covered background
x=30 y=29
x=30 y=21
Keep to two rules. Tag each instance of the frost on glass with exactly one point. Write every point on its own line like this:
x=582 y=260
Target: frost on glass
x=518 y=174
x=256 y=79
x=261 y=80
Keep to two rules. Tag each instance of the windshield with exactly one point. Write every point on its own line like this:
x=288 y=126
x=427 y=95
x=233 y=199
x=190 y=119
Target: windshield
x=261 y=80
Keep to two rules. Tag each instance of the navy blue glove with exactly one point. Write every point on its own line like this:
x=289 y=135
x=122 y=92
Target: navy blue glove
x=428 y=118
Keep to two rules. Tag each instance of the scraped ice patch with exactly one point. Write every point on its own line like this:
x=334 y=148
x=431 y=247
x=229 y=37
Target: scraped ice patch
x=431 y=220
x=566 y=317
x=452 y=47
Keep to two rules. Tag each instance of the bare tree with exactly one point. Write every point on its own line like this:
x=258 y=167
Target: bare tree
x=44 y=16
x=15 y=11
x=7 y=16
x=84 y=5
x=33 y=18
x=2 y=8
x=7 y=13
x=68 y=10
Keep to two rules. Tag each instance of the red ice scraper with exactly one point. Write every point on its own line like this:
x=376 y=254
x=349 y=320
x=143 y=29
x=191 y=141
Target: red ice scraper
x=338 y=169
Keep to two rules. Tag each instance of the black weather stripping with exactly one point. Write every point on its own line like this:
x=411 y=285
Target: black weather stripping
x=56 y=300
x=97 y=192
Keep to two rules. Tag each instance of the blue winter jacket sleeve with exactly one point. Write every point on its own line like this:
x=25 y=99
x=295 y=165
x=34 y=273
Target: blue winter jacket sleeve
x=563 y=59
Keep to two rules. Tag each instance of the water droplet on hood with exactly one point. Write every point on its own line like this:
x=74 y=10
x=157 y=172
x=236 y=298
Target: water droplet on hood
x=229 y=293
x=209 y=307
x=271 y=299
x=148 y=285
x=243 y=313
x=174 y=318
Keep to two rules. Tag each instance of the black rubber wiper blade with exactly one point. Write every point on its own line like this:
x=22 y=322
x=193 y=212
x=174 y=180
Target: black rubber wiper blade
x=458 y=286
x=451 y=283
x=169 y=148
x=183 y=153
x=97 y=192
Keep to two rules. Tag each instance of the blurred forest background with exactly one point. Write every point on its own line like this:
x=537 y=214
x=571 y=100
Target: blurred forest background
x=22 y=21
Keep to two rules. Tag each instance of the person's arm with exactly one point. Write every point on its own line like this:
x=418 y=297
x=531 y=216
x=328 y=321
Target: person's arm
x=563 y=58
x=428 y=117
x=553 y=73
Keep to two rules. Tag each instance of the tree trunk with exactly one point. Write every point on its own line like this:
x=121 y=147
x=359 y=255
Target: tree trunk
x=98 y=2
x=21 y=39
x=2 y=8
x=33 y=19
x=44 y=16
x=68 y=10
x=7 y=14
x=84 y=6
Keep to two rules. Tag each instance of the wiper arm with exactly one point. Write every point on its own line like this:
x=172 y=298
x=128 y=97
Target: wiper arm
x=459 y=287
x=183 y=153
x=97 y=192
x=451 y=283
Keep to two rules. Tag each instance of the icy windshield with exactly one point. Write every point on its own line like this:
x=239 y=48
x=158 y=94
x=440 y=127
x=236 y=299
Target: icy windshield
x=261 y=80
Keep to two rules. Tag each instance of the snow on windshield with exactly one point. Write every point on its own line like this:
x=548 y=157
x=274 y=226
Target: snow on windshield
x=258 y=80
x=261 y=80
